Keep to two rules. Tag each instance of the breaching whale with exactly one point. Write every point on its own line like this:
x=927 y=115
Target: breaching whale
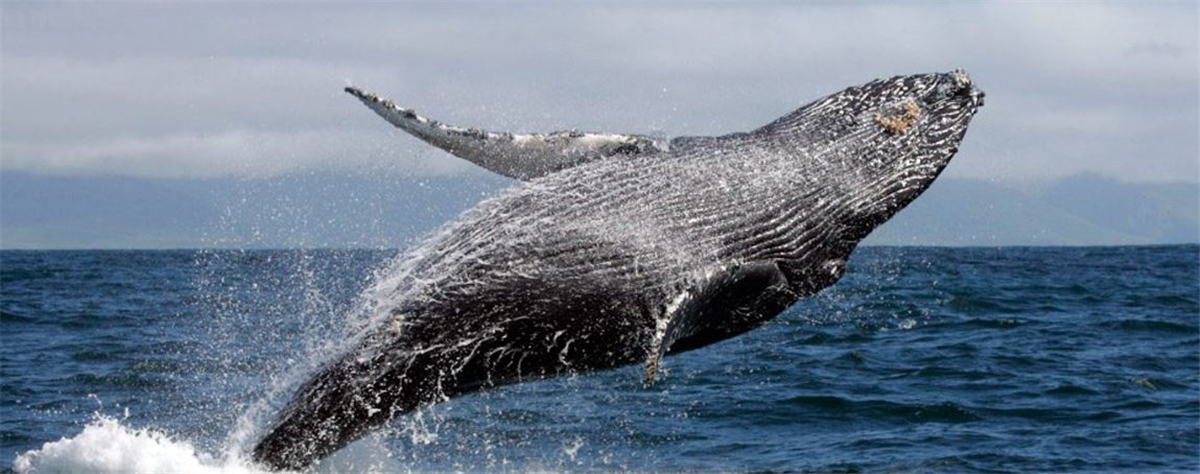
x=621 y=249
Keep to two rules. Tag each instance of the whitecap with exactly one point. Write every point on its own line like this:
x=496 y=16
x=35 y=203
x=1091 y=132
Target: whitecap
x=107 y=445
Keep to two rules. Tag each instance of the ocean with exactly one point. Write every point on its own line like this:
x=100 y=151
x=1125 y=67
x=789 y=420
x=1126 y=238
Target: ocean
x=1083 y=359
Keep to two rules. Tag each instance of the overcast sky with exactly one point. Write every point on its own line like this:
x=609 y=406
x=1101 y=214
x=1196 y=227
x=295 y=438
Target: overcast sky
x=222 y=89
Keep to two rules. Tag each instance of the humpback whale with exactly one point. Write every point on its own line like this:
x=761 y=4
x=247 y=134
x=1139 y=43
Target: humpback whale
x=620 y=249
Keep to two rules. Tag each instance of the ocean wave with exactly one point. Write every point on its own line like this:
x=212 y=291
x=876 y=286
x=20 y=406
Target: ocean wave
x=945 y=412
x=108 y=445
x=1149 y=325
x=9 y=317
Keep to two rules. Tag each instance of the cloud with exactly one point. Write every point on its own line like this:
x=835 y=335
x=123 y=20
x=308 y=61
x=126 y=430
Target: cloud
x=1156 y=48
x=229 y=89
x=230 y=153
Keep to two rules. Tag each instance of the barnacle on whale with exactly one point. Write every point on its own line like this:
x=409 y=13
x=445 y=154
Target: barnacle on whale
x=902 y=121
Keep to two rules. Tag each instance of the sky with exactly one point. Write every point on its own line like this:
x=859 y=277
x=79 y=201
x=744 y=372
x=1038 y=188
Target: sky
x=201 y=90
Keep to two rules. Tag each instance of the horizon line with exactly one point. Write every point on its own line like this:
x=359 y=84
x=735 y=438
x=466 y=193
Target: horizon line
x=399 y=249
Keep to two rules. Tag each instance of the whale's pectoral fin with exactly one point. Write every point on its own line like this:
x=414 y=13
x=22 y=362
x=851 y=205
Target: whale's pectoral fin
x=520 y=156
x=729 y=301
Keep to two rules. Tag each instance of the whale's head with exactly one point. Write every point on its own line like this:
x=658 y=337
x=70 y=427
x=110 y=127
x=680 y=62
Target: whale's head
x=896 y=137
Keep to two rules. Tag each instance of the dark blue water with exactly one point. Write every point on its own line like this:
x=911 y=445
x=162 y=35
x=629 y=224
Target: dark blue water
x=946 y=360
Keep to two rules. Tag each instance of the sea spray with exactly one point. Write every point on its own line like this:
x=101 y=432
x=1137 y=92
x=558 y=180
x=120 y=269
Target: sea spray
x=258 y=321
x=314 y=301
x=109 y=445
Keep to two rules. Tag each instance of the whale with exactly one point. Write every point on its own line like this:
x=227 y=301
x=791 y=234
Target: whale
x=617 y=250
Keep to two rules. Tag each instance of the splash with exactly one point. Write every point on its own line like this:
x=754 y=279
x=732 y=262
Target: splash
x=108 y=445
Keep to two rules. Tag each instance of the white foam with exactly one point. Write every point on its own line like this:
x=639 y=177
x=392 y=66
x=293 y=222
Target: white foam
x=108 y=446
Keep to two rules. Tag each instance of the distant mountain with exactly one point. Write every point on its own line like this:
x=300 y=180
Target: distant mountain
x=393 y=211
x=1156 y=212
x=105 y=212
x=294 y=211
x=1080 y=210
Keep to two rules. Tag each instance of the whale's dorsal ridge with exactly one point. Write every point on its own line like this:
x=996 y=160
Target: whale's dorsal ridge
x=516 y=155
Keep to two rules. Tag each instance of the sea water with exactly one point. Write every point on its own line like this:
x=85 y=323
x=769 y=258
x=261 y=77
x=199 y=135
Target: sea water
x=920 y=359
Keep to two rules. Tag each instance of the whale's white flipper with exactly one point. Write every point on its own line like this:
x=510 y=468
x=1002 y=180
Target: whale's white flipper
x=684 y=321
x=520 y=156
